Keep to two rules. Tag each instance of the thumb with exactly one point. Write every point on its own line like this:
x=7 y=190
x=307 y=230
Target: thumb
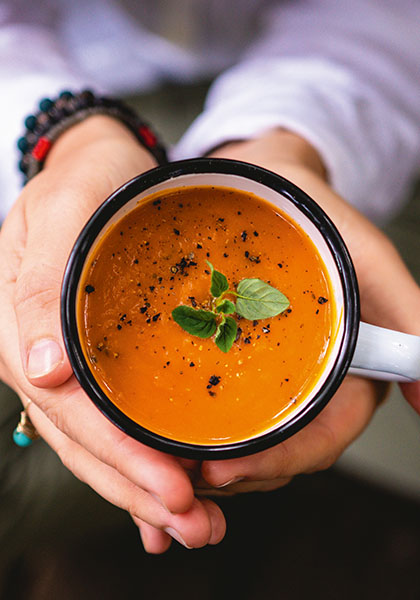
x=37 y=306
x=52 y=225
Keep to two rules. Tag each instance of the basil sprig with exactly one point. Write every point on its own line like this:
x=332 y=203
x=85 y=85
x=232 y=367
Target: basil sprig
x=255 y=299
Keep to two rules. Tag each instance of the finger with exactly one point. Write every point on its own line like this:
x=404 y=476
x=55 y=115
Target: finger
x=217 y=521
x=411 y=393
x=193 y=529
x=315 y=447
x=157 y=472
x=155 y=541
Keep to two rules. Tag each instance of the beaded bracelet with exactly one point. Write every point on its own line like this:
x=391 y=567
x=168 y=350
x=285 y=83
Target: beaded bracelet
x=56 y=116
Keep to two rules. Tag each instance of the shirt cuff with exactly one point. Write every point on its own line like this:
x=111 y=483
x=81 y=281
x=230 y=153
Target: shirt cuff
x=344 y=121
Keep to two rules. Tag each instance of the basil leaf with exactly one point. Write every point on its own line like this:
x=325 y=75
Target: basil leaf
x=259 y=300
x=219 y=283
x=226 y=334
x=201 y=323
x=227 y=307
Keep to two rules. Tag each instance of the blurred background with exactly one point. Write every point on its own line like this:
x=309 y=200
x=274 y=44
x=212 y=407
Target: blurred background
x=351 y=532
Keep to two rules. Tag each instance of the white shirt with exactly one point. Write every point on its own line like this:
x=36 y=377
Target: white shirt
x=345 y=75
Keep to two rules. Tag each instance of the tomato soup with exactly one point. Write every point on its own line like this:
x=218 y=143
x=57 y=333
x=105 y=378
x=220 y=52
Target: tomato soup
x=155 y=259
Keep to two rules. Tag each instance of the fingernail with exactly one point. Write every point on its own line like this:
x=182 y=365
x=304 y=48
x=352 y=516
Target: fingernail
x=230 y=482
x=177 y=536
x=43 y=357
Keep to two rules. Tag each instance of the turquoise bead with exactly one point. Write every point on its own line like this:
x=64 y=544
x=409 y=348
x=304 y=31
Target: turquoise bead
x=66 y=94
x=46 y=104
x=30 y=122
x=21 y=439
x=22 y=144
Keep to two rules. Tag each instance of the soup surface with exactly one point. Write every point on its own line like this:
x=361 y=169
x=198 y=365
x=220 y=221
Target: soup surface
x=181 y=386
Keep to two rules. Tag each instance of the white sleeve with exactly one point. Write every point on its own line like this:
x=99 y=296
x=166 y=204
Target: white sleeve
x=32 y=66
x=346 y=76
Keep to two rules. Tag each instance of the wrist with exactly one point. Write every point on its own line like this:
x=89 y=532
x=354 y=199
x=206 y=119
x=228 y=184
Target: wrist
x=277 y=146
x=90 y=134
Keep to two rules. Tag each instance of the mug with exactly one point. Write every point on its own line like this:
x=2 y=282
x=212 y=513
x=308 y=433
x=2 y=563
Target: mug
x=358 y=347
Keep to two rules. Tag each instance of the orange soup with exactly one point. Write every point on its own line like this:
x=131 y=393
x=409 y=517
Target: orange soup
x=155 y=259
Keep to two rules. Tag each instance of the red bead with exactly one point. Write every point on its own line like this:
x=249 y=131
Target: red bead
x=41 y=148
x=147 y=135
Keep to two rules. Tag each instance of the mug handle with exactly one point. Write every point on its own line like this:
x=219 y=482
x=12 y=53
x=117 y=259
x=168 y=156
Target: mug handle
x=386 y=354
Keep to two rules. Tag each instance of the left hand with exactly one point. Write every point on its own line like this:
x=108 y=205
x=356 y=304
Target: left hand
x=86 y=164
x=319 y=444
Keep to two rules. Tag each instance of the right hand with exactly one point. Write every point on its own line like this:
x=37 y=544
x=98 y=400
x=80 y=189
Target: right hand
x=86 y=164
x=389 y=298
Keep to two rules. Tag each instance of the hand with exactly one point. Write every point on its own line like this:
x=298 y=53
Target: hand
x=86 y=164
x=380 y=272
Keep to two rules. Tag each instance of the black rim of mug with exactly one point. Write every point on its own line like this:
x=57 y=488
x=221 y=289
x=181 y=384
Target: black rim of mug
x=89 y=235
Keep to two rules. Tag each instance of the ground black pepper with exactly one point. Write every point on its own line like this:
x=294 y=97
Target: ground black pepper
x=213 y=381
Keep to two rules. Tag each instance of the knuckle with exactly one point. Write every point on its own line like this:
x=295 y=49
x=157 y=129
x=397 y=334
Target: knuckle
x=326 y=463
x=127 y=451
x=277 y=462
x=131 y=505
x=330 y=449
x=33 y=292
x=66 y=457
x=123 y=449
x=65 y=453
x=55 y=413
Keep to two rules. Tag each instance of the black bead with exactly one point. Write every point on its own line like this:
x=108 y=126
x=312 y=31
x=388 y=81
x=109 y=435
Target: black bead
x=87 y=98
x=22 y=166
x=57 y=113
x=40 y=129
x=31 y=139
